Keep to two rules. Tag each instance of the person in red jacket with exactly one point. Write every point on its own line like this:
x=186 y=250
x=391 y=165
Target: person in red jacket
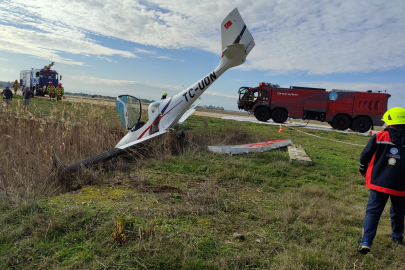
x=382 y=163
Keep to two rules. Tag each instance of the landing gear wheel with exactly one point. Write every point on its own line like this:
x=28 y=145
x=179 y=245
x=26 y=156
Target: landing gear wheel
x=262 y=114
x=361 y=124
x=279 y=115
x=341 y=122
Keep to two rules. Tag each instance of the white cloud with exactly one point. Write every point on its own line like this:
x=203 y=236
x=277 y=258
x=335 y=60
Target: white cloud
x=144 y=51
x=48 y=45
x=220 y=94
x=312 y=36
x=45 y=38
x=156 y=55
x=109 y=60
x=8 y=73
x=167 y=57
x=101 y=81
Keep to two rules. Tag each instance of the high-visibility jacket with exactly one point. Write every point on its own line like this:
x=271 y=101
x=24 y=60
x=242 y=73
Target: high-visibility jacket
x=16 y=85
x=383 y=161
x=251 y=97
x=60 y=91
x=51 y=89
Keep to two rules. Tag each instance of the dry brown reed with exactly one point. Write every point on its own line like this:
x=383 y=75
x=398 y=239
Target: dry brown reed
x=30 y=144
x=33 y=146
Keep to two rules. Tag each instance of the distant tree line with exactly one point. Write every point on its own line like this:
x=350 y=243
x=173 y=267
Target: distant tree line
x=101 y=96
x=209 y=107
x=5 y=84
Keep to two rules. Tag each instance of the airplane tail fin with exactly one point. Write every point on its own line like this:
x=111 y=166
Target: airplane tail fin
x=236 y=40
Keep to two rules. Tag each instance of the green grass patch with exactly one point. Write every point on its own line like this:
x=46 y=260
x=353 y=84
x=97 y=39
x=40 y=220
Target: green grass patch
x=180 y=209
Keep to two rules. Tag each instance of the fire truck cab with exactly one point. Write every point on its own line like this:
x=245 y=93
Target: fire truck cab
x=342 y=109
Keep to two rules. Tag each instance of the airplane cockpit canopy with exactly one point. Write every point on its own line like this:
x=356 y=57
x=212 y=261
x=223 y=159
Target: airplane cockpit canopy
x=129 y=110
x=154 y=106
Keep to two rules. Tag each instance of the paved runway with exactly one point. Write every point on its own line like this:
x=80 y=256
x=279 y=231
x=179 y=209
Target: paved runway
x=294 y=124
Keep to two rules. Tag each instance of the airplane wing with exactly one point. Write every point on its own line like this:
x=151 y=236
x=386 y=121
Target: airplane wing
x=147 y=138
x=188 y=113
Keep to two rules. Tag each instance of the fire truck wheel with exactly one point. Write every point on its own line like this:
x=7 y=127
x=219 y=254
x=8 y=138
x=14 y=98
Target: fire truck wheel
x=279 y=115
x=262 y=114
x=361 y=124
x=341 y=122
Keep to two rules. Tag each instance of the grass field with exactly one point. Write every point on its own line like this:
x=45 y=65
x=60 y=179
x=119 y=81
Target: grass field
x=175 y=205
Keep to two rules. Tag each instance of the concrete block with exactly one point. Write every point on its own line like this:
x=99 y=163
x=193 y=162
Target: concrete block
x=298 y=155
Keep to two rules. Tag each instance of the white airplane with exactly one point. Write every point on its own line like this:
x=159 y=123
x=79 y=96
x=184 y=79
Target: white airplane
x=237 y=42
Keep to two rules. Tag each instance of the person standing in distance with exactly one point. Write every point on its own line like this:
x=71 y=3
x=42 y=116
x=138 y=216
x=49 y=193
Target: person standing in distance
x=16 y=85
x=382 y=163
x=27 y=97
x=51 y=91
x=59 y=92
x=7 y=97
x=164 y=96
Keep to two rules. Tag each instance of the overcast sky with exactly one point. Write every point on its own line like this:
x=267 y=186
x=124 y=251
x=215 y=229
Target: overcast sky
x=147 y=47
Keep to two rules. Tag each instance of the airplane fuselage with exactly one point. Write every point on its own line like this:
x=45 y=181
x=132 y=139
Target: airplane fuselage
x=170 y=110
x=237 y=42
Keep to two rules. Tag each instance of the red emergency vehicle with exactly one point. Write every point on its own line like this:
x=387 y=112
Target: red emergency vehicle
x=342 y=109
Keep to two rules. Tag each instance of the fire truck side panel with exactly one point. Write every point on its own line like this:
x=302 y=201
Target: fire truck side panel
x=339 y=102
x=295 y=101
x=373 y=105
x=263 y=97
x=317 y=103
x=28 y=82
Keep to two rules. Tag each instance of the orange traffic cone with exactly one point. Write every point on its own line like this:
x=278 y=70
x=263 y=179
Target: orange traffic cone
x=370 y=133
x=281 y=129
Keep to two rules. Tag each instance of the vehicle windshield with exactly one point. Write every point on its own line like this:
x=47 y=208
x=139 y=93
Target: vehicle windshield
x=48 y=75
x=129 y=110
x=242 y=93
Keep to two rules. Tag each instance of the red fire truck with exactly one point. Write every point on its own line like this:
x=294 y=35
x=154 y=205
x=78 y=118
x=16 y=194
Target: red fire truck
x=342 y=109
